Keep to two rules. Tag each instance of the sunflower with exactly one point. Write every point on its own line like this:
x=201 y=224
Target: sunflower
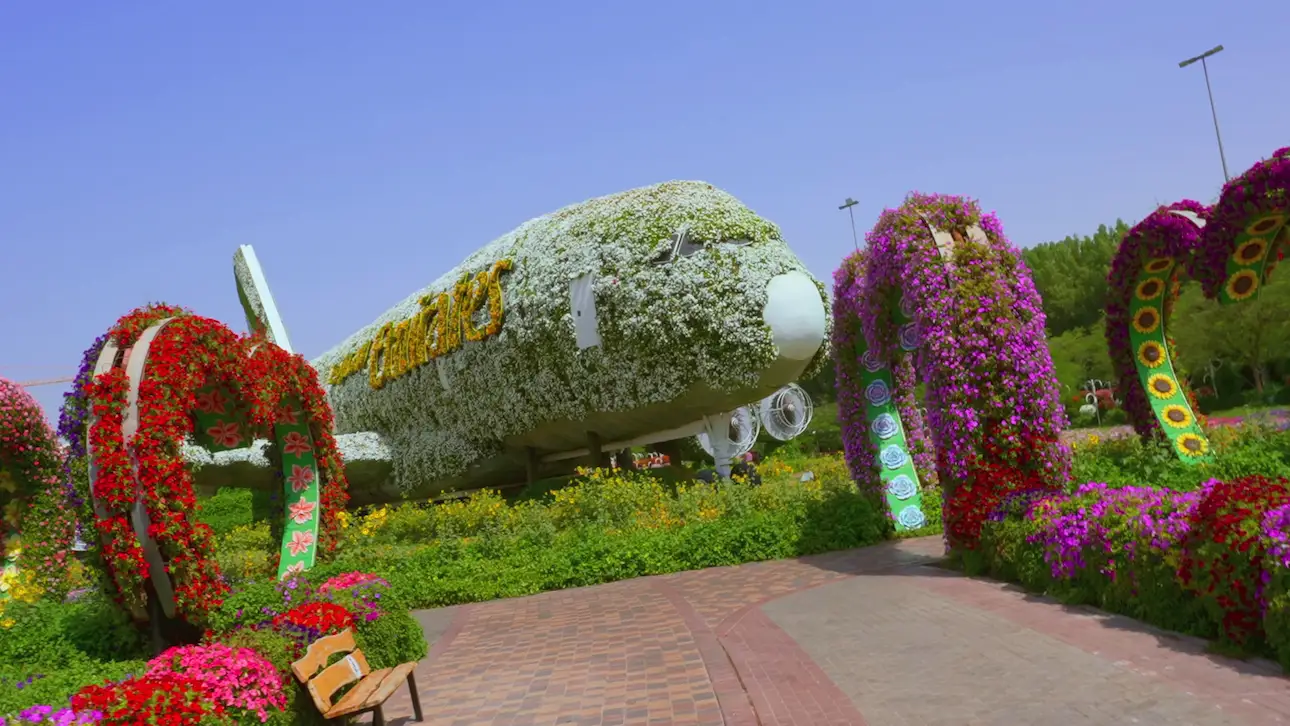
x=1147 y=319
x=1151 y=354
x=1178 y=417
x=1149 y=289
x=1159 y=264
x=1190 y=444
x=1161 y=386
x=1242 y=285
x=1265 y=224
x=1250 y=251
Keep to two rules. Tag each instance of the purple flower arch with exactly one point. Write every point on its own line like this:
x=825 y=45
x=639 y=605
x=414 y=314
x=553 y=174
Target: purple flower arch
x=982 y=353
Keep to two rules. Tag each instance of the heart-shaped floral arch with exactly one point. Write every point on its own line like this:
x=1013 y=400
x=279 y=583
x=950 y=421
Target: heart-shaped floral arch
x=941 y=297
x=160 y=376
x=1231 y=249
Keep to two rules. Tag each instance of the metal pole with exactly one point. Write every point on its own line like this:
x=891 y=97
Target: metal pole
x=847 y=205
x=1212 y=110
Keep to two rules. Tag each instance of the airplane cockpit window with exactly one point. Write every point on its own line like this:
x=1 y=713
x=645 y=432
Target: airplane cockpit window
x=683 y=244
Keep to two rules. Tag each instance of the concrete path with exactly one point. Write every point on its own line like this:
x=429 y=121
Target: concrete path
x=876 y=636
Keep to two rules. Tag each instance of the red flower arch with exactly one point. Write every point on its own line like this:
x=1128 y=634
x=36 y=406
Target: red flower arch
x=164 y=375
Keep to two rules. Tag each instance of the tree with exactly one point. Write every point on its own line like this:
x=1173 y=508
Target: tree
x=1070 y=276
x=1079 y=355
x=1248 y=334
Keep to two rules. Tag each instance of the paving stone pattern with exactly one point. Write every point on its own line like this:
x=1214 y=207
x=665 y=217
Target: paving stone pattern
x=871 y=636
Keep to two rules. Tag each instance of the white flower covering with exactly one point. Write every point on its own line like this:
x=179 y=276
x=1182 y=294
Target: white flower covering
x=664 y=328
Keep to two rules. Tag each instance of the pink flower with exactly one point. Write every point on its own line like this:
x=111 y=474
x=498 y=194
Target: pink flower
x=211 y=402
x=296 y=444
x=300 y=543
x=239 y=679
x=301 y=477
x=225 y=434
x=302 y=511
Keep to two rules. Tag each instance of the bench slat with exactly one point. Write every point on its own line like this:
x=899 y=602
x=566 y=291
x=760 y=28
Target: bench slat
x=372 y=691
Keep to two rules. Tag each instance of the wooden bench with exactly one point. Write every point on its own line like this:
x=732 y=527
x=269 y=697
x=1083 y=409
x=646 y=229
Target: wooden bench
x=371 y=688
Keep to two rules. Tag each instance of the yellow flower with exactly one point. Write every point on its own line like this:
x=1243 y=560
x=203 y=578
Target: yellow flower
x=1149 y=289
x=1159 y=264
x=1161 y=386
x=1147 y=319
x=7 y=484
x=1265 y=224
x=1250 y=251
x=1094 y=439
x=1177 y=416
x=1190 y=444
x=1242 y=285
x=1151 y=354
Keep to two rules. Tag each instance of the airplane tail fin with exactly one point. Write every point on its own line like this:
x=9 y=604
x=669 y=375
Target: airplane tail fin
x=253 y=291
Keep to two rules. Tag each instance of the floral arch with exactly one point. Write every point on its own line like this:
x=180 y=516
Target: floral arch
x=160 y=376
x=1231 y=249
x=35 y=531
x=941 y=297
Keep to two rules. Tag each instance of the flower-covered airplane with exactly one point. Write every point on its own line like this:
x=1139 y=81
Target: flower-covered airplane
x=628 y=320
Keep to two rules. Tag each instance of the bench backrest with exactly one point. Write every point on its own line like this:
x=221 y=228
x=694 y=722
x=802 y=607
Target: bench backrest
x=350 y=669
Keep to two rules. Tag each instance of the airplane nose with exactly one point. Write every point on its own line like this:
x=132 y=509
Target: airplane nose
x=795 y=314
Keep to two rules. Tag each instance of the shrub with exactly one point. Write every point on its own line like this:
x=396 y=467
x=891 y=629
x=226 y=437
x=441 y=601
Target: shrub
x=170 y=699
x=1214 y=562
x=605 y=526
x=1247 y=450
x=240 y=680
x=230 y=508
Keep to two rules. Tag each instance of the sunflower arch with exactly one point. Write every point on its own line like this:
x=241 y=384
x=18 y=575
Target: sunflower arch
x=940 y=297
x=1231 y=249
x=159 y=377
x=31 y=493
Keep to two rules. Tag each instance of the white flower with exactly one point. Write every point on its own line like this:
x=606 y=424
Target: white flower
x=665 y=328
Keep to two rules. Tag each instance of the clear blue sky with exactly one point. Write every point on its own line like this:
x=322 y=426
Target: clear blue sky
x=364 y=148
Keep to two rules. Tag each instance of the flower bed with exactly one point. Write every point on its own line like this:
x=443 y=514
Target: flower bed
x=961 y=314
x=239 y=674
x=200 y=379
x=604 y=526
x=1212 y=562
x=35 y=532
x=520 y=367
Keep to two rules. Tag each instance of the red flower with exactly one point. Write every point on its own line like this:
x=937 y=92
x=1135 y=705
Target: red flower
x=169 y=699
x=1223 y=552
x=192 y=363
x=324 y=617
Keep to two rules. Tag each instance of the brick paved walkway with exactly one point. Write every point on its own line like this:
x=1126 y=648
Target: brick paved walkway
x=873 y=636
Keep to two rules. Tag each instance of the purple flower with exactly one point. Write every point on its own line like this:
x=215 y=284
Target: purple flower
x=978 y=311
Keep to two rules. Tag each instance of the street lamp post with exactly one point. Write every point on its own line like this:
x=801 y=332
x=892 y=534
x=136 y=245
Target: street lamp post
x=1205 y=67
x=847 y=205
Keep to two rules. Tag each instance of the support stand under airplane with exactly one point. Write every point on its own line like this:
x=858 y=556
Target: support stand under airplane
x=630 y=320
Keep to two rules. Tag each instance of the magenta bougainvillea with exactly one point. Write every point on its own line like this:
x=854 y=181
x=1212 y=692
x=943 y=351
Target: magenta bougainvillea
x=965 y=320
